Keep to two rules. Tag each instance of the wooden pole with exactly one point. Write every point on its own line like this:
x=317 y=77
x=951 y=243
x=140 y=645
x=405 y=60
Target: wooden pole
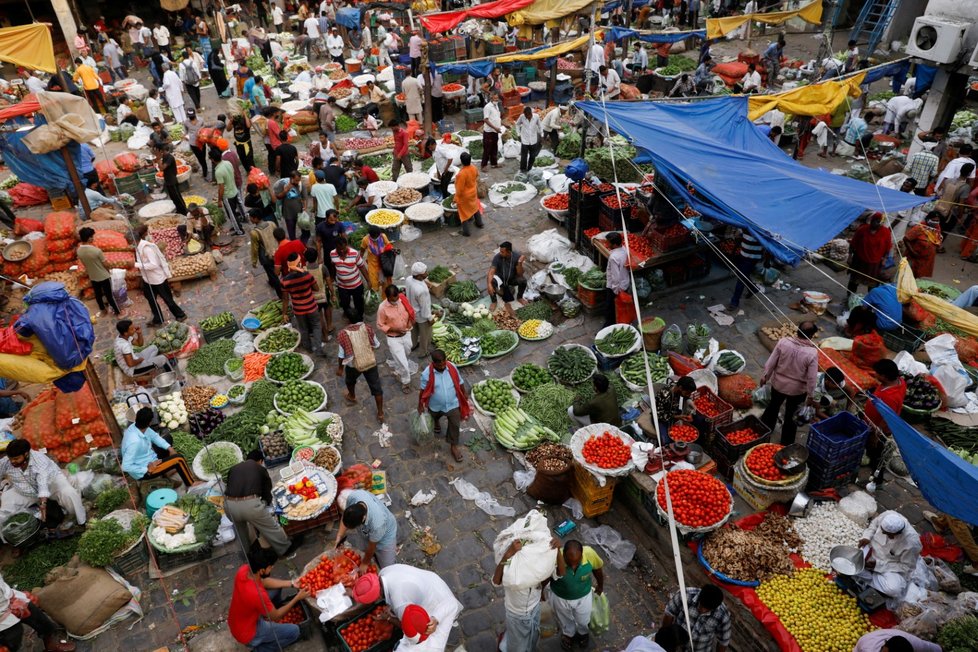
x=552 y=82
x=79 y=188
x=426 y=71
x=103 y=403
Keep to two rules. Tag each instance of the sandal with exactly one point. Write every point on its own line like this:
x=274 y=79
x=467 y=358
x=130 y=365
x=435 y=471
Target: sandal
x=566 y=642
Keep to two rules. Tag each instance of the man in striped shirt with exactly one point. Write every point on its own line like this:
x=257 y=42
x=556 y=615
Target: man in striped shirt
x=750 y=253
x=350 y=271
x=301 y=287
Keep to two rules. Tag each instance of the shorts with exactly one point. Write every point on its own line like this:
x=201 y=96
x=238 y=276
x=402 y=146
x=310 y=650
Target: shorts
x=371 y=375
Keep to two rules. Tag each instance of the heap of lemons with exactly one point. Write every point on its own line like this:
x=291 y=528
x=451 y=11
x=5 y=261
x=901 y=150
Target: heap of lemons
x=384 y=217
x=820 y=616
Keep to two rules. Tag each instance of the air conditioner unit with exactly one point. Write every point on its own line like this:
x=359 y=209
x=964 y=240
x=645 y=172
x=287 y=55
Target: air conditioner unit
x=937 y=39
x=974 y=58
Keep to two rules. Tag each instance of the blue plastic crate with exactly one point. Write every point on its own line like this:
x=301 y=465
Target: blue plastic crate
x=838 y=437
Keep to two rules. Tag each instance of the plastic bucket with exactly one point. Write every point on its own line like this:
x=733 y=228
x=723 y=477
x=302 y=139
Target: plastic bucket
x=652 y=329
x=353 y=66
x=588 y=297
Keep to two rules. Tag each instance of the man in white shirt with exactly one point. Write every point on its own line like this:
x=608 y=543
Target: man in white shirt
x=592 y=65
x=113 y=59
x=419 y=296
x=953 y=169
x=640 y=60
x=852 y=57
x=17 y=610
x=153 y=106
x=155 y=271
x=492 y=126
x=530 y=130
x=751 y=81
x=33 y=82
x=36 y=478
x=311 y=26
x=522 y=603
x=551 y=125
x=610 y=82
x=277 y=17
x=334 y=44
x=162 y=36
x=189 y=74
x=173 y=90
x=900 y=110
x=667 y=639
x=414 y=50
x=146 y=34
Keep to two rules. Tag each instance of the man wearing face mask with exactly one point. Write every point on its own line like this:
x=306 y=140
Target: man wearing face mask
x=35 y=479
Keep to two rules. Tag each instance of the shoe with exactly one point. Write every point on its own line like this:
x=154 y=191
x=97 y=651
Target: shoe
x=970 y=570
x=55 y=644
x=931 y=518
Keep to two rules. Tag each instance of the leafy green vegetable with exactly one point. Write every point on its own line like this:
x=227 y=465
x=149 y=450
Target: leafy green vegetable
x=244 y=427
x=538 y=309
x=572 y=275
x=463 y=291
x=28 y=571
x=209 y=359
x=684 y=63
x=218 y=460
x=202 y=514
x=345 y=123
x=959 y=635
x=111 y=500
x=439 y=273
x=105 y=537
x=600 y=161
x=594 y=279
x=570 y=145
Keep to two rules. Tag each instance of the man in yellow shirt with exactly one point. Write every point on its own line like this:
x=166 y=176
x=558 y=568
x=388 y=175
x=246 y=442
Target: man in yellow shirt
x=91 y=84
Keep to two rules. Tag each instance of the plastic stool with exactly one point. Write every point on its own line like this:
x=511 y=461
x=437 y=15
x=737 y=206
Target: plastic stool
x=156 y=500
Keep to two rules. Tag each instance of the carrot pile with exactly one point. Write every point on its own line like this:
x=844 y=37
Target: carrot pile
x=254 y=366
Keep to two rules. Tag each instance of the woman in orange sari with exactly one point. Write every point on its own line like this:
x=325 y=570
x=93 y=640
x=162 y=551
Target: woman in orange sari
x=921 y=244
x=467 y=194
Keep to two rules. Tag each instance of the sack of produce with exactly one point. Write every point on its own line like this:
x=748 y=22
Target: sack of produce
x=305 y=118
x=726 y=362
x=672 y=339
x=109 y=240
x=60 y=225
x=23 y=226
x=120 y=260
x=127 y=162
x=867 y=350
x=737 y=390
x=82 y=598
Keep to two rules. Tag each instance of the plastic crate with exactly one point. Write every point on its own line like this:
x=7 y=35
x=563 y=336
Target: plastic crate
x=818 y=479
x=168 y=562
x=473 y=115
x=383 y=646
x=675 y=274
x=903 y=339
x=594 y=498
x=732 y=452
x=274 y=461
x=698 y=267
x=132 y=562
x=512 y=98
x=306 y=626
x=604 y=362
x=724 y=418
x=837 y=437
x=662 y=242
x=221 y=333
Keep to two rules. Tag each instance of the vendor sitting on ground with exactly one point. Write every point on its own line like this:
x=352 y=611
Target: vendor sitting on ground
x=891 y=547
x=365 y=202
x=672 y=401
x=8 y=391
x=884 y=302
x=199 y=225
x=255 y=611
x=133 y=364
x=37 y=480
x=506 y=273
x=602 y=408
x=145 y=454
x=831 y=393
x=893 y=640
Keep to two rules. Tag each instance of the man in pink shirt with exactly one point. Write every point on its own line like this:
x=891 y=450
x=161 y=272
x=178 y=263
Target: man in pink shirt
x=395 y=318
x=893 y=640
x=792 y=371
x=401 y=154
x=414 y=49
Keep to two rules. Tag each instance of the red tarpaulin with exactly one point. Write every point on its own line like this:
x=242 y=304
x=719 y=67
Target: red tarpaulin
x=28 y=106
x=442 y=22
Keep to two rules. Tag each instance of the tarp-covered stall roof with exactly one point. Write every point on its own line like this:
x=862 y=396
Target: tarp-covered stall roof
x=740 y=177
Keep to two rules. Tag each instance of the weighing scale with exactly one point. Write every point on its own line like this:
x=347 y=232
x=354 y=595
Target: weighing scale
x=848 y=562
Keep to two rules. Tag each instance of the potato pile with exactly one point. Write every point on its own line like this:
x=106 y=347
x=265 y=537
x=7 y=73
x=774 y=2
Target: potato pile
x=189 y=266
x=781 y=332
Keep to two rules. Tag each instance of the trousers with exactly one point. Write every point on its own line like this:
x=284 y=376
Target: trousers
x=39 y=621
x=162 y=291
x=788 y=426
x=352 y=303
x=13 y=502
x=573 y=616
x=400 y=348
x=103 y=295
x=310 y=332
x=253 y=512
x=421 y=332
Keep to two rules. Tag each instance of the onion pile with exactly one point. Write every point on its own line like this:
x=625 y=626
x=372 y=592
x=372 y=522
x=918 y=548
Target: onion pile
x=824 y=528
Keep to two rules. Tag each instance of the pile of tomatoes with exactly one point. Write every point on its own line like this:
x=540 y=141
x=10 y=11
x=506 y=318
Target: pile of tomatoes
x=612 y=201
x=742 y=436
x=366 y=632
x=295 y=616
x=684 y=432
x=606 y=451
x=698 y=499
x=557 y=202
x=590 y=233
x=340 y=569
x=709 y=405
x=640 y=246
x=760 y=462
x=674 y=231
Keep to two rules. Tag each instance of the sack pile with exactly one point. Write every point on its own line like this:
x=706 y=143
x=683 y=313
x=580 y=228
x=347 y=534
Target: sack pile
x=49 y=423
x=62 y=240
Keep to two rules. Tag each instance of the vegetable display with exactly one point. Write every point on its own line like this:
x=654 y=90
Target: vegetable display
x=753 y=555
x=760 y=461
x=571 y=364
x=529 y=376
x=593 y=279
x=326 y=458
x=698 y=500
x=618 y=342
x=384 y=217
x=287 y=366
x=548 y=404
x=730 y=362
x=633 y=368
x=535 y=329
x=209 y=359
x=439 y=274
x=269 y=314
x=709 y=405
x=111 y=500
x=517 y=430
x=218 y=460
x=274 y=445
x=683 y=432
x=607 y=162
x=197 y=398
x=300 y=429
x=254 y=365
x=341 y=568
x=172 y=410
x=462 y=291
x=368 y=631
x=28 y=570
x=186 y=444
x=403 y=197
x=825 y=527
x=204 y=423
x=104 y=537
x=244 y=427
x=816 y=612
x=921 y=394
x=494 y=395
x=236 y=391
x=171 y=337
x=299 y=395
x=606 y=451
x=538 y=309
x=474 y=312
x=218 y=321
x=557 y=201
x=277 y=340
x=742 y=436
x=496 y=342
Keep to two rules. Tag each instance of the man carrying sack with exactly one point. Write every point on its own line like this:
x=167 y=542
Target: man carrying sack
x=355 y=349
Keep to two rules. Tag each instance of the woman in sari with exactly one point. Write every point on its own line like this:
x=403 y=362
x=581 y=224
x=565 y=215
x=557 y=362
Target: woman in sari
x=372 y=245
x=215 y=66
x=921 y=243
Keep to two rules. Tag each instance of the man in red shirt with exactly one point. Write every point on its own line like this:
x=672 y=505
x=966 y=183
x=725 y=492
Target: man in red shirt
x=301 y=288
x=867 y=249
x=253 y=613
x=285 y=249
x=892 y=390
x=401 y=154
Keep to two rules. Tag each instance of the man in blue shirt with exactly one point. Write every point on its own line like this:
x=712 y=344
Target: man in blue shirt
x=445 y=394
x=87 y=169
x=364 y=510
x=889 y=311
x=97 y=199
x=772 y=60
x=141 y=446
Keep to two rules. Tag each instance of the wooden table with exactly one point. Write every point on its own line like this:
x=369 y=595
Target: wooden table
x=601 y=253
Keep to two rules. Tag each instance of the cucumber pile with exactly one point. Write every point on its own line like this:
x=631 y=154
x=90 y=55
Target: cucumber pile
x=633 y=368
x=571 y=364
x=517 y=430
x=618 y=342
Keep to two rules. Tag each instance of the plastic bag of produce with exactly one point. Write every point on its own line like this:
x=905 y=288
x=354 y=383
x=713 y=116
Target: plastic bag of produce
x=737 y=389
x=422 y=427
x=726 y=362
x=600 y=614
x=546 y=246
x=761 y=395
x=127 y=161
x=697 y=337
x=672 y=339
x=19 y=527
x=23 y=226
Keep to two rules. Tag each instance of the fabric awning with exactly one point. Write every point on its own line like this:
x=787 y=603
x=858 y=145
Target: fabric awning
x=723 y=166
x=617 y=34
x=810 y=13
x=958 y=317
x=29 y=46
x=813 y=99
x=444 y=21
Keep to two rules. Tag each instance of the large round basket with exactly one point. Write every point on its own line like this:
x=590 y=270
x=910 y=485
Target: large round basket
x=424 y=212
x=18 y=251
x=339 y=458
x=577 y=445
x=538 y=338
x=389 y=204
x=717 y=574
x=589 y=352
x=317 y=409
x=507 y=350
x=322 y=416
x=789 y=481
x=198 y=464
x=688 y=529
x=488 y=413
x=608 y=330
x=306 y=360
x=381 y=188
x=415 y=181
x=259 y=340
x=372 y=215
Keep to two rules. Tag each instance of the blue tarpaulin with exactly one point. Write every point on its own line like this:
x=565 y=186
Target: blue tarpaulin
x=722 y=165
x=43 y=170
x=476 y=69
x=947 y=482
x=608 y=7
x=348 y=17
x=617 y=34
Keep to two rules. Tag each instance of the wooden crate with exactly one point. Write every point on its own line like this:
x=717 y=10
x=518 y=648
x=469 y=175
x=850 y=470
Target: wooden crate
x=594 y=498
x=438 y=289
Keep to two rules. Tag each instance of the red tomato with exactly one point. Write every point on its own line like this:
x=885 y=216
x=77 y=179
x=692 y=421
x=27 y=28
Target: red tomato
x=698 y=499
x=606 y=451
x=760 y=462
x=742 y=436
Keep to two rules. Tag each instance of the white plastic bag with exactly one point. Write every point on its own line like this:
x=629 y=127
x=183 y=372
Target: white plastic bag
x=332 y=602
x=859 y=506
x=409 y=233
x=482 y=499
x=523 y=479
x=721 y=371
x=119 y=290
x=619 y=550
x=575 y=508
x=547 y=246
x=511 y=149
x=954 y=380
x=906 y=363
x=225 y=532
x=536 y=560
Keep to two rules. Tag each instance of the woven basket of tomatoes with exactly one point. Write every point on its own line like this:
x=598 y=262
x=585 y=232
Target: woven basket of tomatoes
x=603 y=449
x=760 y=467
x=369 y=632
x=700 y=502
x=341 y=566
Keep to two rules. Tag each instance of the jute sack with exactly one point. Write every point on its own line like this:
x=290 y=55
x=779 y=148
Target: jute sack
x=81 y=598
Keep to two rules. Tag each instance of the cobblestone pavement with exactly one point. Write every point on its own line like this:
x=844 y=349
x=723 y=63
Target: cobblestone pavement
x=199 y=597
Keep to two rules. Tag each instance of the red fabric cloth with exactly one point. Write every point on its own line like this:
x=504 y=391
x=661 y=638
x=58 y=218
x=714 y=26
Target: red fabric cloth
x=28 y=106
x=871 y=247
x=400 y=143
x=892 y=396
x=285 y=250
x=442 y=22
x=249 y=602
x=407 y=306
x=934 y=545
x=464 y=408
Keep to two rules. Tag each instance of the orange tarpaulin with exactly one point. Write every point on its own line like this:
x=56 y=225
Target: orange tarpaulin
x=29 y=46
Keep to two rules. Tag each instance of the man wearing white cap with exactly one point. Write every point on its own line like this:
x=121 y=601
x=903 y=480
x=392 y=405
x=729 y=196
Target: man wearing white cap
x=416 y=288
x=892 y=549
x=899 y=111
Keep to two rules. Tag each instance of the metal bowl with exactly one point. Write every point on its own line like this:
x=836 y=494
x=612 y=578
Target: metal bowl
x=165 y=382
x=18 y=251
x=553 y=292
x=791 y=459
x=801 y=505
x=847 y=560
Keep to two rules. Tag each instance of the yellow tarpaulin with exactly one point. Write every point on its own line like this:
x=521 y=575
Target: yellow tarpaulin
x=810 y=13
x=814 y=99
x=29 y=46
x=552 y=51
x=957 y=317
x=545 y=11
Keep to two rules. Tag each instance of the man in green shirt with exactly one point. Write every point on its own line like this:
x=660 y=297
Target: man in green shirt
x=324 y=195
x=603 y=408
x=227 y=191
x=93 y=260
x=570 y=594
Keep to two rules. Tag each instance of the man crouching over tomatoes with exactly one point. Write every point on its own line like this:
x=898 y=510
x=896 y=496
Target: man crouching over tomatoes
x=255 y=611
